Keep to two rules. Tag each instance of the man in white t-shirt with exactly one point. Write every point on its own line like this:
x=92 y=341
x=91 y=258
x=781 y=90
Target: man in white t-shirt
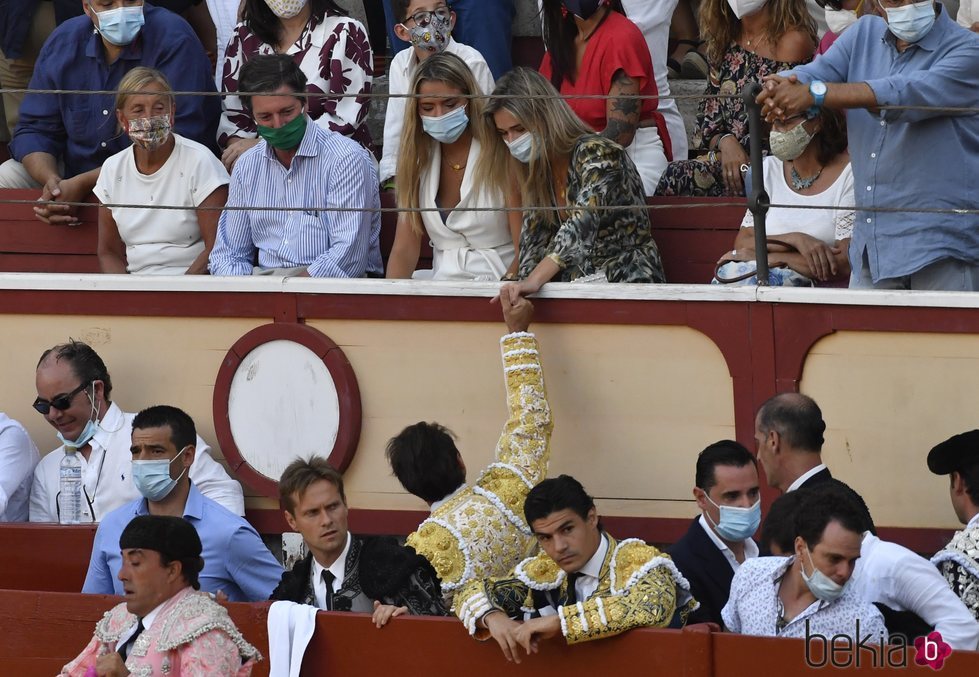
x=73 y=390
x=427 y=25
x=653 y=19
x=18 y=457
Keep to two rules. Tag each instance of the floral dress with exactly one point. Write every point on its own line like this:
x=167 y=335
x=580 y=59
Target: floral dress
x=615 y=241
x=739 y=68
x=336 y=58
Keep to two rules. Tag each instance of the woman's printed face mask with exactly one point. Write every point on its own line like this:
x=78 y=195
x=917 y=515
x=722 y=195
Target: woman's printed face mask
x=149 y=133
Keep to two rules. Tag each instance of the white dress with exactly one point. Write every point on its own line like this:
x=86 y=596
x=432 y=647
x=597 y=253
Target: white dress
x=161 y=242
x=467 y=245
x=823 y=224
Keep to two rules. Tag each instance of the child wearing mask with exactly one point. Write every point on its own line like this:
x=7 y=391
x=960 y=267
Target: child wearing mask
x=427 y=25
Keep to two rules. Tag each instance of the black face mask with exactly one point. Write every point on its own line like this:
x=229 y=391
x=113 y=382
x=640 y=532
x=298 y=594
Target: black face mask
x=583 y=8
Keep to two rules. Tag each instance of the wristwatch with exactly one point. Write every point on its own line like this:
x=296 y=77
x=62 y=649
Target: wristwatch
x=818 y=90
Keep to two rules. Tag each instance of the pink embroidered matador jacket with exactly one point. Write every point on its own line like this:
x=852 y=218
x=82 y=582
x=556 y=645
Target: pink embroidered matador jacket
x=192 y=635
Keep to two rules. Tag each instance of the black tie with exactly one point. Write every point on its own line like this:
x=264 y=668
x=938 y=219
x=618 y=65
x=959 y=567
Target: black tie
x=572 y=596
x=124 y=649
x=328 y=579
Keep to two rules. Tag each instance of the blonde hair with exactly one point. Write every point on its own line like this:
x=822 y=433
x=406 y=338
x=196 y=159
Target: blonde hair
x=554 y=129
x=721 y=27
x=416 y=145
x=136 y=80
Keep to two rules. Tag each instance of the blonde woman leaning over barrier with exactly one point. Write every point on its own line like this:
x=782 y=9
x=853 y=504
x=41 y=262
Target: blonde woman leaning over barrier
x=441 y=149
x=160 y=168
x=585 y=208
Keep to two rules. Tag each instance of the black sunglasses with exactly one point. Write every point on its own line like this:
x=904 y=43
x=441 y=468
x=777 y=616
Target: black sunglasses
x=61 y=402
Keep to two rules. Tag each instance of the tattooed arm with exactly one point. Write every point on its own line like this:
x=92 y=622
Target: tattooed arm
x=622 y=113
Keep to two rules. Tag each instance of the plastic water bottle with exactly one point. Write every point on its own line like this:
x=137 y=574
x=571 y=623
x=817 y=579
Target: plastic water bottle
x=70 y=498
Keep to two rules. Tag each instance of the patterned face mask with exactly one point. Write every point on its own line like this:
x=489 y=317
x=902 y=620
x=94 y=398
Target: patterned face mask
x=432 y=35
x=149 y=133
x=286 y=9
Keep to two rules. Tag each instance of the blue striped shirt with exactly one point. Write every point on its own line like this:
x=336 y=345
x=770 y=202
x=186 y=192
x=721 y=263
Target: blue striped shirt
x=910 y=158
x=328 y=171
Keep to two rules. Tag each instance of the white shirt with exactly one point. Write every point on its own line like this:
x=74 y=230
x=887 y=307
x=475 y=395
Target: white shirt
x=973 y=522
x=753 y=607
x=968 y=13
x=399 y=82
x=155 y=244
x=587 y=582
x=107 y=474
x=18 y=457
x=338 y=569
x=224 y=14
x=147 y=620
x=800 y=480
x=827 y=225
x=750 y=547
x=653 y=17
x=898 y=578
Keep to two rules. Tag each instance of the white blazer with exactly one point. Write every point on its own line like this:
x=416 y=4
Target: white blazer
x=468 y=245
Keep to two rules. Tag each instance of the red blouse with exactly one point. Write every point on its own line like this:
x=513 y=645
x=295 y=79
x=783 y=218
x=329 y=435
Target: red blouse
x=616 y=45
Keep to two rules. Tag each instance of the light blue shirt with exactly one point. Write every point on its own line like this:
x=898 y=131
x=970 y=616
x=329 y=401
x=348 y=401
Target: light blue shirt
x=328 y=171
x=910 y=158
x=235 y=558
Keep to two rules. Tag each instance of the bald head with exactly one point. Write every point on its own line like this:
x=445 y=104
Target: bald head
x=796 y=418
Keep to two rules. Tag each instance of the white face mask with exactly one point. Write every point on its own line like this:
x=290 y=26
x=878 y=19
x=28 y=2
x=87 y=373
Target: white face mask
x=286 y=9
x=787 y=146
x=743 y=8
x=838 y=20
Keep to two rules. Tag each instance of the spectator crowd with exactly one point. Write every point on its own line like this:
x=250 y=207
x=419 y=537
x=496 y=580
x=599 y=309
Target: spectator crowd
x=247 y=121
x=252 y=133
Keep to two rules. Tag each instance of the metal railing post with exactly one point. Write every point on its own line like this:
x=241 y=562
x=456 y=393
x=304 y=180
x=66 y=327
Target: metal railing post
x=758 y=200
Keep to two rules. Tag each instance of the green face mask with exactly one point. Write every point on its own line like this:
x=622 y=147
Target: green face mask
x=286 y=137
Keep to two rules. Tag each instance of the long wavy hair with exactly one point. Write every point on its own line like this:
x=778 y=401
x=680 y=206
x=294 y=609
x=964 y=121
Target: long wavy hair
x=555 y=129
x=417 y=146
x=721 y=27
x=263 y=22
x=560 y=31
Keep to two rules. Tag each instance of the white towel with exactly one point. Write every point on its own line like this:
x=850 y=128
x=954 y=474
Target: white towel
x=291 y=627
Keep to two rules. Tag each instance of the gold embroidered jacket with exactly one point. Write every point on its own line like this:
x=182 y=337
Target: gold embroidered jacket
x=638 y=587
x=480 y=531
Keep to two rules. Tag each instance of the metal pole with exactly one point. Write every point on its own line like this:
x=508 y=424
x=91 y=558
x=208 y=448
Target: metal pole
x=758 y=200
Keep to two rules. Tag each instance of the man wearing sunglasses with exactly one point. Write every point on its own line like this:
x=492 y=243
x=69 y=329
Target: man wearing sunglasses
x=73 y=391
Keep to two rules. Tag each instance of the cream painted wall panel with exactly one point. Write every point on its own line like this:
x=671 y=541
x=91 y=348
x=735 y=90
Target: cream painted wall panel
x=632 y=405
x=888 y=399
x=151 y=361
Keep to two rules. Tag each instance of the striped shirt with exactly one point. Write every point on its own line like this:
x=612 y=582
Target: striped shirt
x=328 y=171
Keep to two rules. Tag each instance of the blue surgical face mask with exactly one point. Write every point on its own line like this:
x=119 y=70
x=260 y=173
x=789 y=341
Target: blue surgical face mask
x=88 y=432
x=152 y=478
x=820 y=585
x=446 y=128
x=523 y=148
x=121 y=25
x=736 y=524
x=911 y=22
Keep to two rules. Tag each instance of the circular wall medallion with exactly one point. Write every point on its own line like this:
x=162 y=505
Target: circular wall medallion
x=285 y=391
